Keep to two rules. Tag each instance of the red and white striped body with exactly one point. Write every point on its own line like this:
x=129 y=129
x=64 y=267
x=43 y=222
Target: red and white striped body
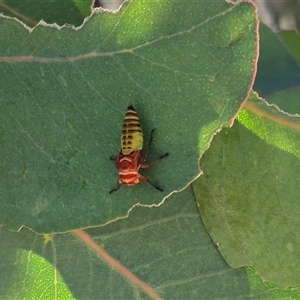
x=128 y=166
x=130 y=159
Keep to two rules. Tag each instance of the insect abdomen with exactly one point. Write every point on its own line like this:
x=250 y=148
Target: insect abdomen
x=132 y=135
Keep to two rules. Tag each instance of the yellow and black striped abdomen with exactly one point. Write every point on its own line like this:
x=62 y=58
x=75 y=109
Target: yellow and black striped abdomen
x=132 y=135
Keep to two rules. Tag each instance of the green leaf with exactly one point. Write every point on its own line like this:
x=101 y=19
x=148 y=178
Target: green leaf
x=186 y=69
x=164 y=250
x=249 y=194
x=34 y=271
x=51 y=11
x=287 y=100
x=277 y=68
x=292 y=41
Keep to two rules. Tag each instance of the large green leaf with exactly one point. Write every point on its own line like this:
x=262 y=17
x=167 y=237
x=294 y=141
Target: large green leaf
x=64 y=94
x=249 y=194
x=163 y=251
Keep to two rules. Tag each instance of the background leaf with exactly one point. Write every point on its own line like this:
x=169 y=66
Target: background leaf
x=51 y=11
x=277 y=68
x=248 y=196
x=292 y=41
x=280 y=84
x=65 y=92
x=166 y=247
x=287 y=100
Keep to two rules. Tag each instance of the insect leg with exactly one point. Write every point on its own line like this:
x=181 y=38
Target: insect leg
x=116 y=188
x=150 y=182
x=148 y=151
x=112 y=158
x=159 y=159
x=144 y=166
x=149 y=143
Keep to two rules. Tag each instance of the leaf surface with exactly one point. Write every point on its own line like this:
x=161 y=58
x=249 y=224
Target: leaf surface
x=167 y=248
x=249 y=194
x=186 y=69
x=52 y=11
x=287 y=100
x=277 y=68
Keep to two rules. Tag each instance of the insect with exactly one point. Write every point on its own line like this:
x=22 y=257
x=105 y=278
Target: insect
x=130 y=159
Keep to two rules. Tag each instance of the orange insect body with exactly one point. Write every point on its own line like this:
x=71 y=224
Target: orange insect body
x=130 y=159
x=128 y=166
